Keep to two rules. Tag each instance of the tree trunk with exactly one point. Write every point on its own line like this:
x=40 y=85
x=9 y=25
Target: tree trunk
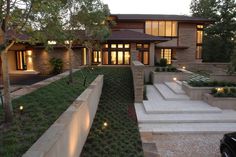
x=6 y=88
x=70 y=66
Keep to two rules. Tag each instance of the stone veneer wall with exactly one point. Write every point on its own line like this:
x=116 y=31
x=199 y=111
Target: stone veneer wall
x=66 y=137
x=42 y=57
x=187 y=37
x=138 y=80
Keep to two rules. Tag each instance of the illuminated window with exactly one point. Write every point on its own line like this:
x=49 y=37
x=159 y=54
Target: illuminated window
x=200 y=26
x=120 y=57
x=148 y=26
x=120 y=45
x=127 y=57
x=143 y=54
x=84 y=56
x=105 y=57
x=21 y=60
x=127 y=46
x=113 y=57
x=199 y=37
x=166 y=54
x=161 y=28
x=199 y=41
x=174 y=29
x=145 y=57
x=139 y=45
x=199 y=52
x=113 y=46
x=155 y=27
x=97 y=58
x=146 y=46
x=168 y=28
x=105 y=46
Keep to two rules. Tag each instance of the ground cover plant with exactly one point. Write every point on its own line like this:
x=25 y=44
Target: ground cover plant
x=120 y=136
x=41 y=109
x=201 y=83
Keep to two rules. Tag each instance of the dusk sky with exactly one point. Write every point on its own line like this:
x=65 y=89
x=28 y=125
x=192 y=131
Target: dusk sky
x=149 y=6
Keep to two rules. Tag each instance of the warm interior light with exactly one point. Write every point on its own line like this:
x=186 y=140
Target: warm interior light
x=174 y=78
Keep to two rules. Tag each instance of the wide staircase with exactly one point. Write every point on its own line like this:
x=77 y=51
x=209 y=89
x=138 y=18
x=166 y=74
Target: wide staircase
x=169 y=110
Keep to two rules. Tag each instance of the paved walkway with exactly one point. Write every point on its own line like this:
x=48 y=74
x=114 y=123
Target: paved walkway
x=172 y=125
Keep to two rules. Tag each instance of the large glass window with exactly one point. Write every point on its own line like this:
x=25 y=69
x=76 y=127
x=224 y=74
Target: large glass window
x=199 y=41
x=113 y=57
x=127 y=57
x=166 y=54
x=21 y=60
x=199 y=52
x=97 y=58
x=161 y=28
x=143 y=54
x=199 y=36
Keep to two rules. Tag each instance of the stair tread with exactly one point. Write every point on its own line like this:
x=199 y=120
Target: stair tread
x=224 y=116
x=187 y=127
x=175 y=87
x=169 y=94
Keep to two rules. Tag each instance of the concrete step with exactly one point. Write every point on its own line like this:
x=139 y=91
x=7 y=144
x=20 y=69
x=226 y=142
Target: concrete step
x=166 y=107
x=227 y=116
x=188 y=128
x=168 y=94
x=175 y=87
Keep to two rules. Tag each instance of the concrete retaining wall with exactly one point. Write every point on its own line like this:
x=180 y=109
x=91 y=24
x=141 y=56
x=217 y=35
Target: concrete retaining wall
x=160 y=77
x=195 y=93
x=66 y=137
x=221 y=102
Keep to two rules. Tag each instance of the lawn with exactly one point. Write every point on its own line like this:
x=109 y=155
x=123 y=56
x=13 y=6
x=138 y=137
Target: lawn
x=121 y=136
x=41 y=109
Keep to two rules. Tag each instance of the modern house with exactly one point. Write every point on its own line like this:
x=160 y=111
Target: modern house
x=143 y=37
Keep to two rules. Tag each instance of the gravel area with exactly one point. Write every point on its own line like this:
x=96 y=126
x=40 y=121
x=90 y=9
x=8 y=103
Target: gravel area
x=188 y=145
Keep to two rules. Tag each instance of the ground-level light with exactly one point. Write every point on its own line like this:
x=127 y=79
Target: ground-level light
x=174 y=78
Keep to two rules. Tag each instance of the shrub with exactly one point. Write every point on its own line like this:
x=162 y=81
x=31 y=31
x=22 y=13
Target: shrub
x=225 y=92
x=57 y=65
x=157 y=69
x=200 y=83
x=163 y=62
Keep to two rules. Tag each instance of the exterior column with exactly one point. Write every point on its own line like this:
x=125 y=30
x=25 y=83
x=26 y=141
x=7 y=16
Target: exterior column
x=152 y=54
x=138 y=80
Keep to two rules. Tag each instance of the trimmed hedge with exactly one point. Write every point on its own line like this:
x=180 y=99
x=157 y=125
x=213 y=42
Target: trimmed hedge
x=224 y=92
x=200 y=83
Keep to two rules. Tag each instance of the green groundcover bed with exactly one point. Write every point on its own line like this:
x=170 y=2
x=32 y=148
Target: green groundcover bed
x=44 y=106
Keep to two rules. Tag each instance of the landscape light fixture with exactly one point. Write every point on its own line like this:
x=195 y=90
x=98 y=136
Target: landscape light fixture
x=174 y=78
x=184 y=67
x=105 y=124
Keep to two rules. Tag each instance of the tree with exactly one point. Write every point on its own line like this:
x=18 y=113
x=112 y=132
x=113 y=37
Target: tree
x=218 y=43
x=20 y=17
x=81 y=22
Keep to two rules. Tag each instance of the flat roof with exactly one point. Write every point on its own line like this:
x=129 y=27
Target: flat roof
x=142 y=17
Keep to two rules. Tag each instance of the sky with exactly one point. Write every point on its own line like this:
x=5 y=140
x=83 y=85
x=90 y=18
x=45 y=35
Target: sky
x=180 y=7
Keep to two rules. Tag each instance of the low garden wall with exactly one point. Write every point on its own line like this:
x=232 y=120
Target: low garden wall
x=66 y=137
x=160 y=77
x=195 y=93
x=221 y=102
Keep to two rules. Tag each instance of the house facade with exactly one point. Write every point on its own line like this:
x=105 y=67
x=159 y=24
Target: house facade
x=143 y=37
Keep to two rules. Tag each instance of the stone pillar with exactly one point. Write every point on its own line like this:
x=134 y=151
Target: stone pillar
x=138 y=80
x=152 y=54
